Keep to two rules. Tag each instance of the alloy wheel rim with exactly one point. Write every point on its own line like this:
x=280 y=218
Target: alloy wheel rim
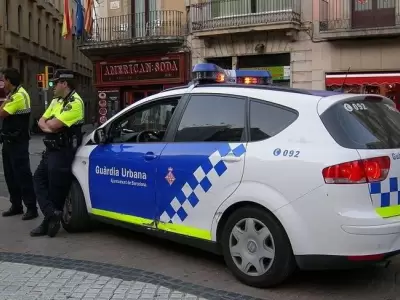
x=252 y=247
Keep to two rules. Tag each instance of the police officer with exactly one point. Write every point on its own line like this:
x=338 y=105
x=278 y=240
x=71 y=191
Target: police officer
x=15 y=135
x=62 y=122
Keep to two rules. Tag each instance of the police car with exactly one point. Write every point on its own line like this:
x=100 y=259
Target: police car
x=272 y=178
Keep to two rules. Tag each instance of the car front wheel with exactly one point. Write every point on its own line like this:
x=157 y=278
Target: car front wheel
x=75 y=215
x=256 y=248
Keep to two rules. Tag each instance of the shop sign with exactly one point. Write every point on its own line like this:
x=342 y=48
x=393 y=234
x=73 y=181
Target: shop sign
x=140 y=71
x=277 y=72
x=108 y=101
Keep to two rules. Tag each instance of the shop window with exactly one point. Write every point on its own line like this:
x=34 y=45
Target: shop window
x=213 y=118
x=223 y=62
x=277 y=64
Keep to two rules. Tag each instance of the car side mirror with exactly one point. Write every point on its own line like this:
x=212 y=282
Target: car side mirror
x=99 y=136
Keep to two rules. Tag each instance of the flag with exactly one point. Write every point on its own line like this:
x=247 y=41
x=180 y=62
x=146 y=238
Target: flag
x=67 y=21
x=89 y=16
x=79 y=19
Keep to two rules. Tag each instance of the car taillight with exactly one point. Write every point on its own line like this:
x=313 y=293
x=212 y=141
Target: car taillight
x=358 y=171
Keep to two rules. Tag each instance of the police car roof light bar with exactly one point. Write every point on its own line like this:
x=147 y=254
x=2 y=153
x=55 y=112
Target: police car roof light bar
x=253 y=73
x=208 y=73
x=211 y=73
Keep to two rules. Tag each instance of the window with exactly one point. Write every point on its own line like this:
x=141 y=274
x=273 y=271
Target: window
x=7 y=4
x=154 y=117
x=54 y=41
x=46 y=42
x=364 y=123
x=267 y=120
x=30 y=26
x=60 y=49
x=20 y=20
x=22 y=70
x=213 y=118
x=9 y=61
x=39 y=32
x=223 y=8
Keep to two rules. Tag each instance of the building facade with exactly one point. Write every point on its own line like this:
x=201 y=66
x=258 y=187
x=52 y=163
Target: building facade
x=254 y=34
x=30 y=38
x=317 y=44
x=138 y=49
x=357 y=44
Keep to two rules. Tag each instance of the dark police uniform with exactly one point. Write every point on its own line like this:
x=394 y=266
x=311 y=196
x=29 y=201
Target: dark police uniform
x=16 y=163
x=53 y=177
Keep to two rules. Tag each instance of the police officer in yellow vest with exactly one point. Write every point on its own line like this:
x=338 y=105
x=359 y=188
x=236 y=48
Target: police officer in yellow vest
x=62 y=122
x=15 y=112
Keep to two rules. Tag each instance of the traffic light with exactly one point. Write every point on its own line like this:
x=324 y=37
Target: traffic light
x=40 y=80
x=48 y=73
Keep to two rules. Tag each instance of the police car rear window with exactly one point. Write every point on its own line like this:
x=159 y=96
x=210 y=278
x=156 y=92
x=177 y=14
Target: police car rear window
x=367 y=122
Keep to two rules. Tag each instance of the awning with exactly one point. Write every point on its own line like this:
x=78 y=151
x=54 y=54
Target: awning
x=362 y=79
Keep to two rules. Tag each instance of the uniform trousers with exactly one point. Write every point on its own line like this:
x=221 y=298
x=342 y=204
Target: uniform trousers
x=52 y=180
x=18 y=175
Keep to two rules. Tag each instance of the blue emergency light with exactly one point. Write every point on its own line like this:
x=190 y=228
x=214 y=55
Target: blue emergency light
x=253 y=77
x=211 y=73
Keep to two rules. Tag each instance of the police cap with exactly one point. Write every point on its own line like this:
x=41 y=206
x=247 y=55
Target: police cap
x=62 y=75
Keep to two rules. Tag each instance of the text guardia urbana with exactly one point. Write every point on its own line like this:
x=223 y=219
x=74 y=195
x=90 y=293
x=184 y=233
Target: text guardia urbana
x=122 y=172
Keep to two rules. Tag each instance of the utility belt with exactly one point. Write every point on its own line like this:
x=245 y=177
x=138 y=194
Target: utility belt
x=61 y=141
x=10 y=137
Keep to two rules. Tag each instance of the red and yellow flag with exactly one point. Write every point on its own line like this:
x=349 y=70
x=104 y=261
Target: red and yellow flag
x=67 y=22
x=89 y=16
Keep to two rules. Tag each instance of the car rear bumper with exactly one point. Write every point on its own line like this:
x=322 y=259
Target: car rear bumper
x=336 y=262
x=321 y=224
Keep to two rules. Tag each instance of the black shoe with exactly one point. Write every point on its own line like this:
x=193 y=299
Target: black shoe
x=41 y=230
x=30 y=215
x=54 y=224
x=13 y=212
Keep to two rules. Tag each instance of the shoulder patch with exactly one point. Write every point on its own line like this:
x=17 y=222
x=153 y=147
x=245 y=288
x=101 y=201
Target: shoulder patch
x=67 y=107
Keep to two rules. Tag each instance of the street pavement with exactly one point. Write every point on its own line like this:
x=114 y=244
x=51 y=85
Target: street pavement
x=113 y=263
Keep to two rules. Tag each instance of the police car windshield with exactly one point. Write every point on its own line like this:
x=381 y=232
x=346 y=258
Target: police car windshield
x=367 y=122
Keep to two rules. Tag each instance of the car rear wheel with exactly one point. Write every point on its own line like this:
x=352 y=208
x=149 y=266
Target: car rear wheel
x=256 y=248
x=75 y=215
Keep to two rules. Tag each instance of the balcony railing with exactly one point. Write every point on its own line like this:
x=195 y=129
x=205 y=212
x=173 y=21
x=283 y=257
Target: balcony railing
x=154 y=25
x=356 y=15
x=225 y=14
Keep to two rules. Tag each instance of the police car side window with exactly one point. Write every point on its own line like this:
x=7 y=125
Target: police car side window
x=155 y=117
x=267 y=120
x=213 y=118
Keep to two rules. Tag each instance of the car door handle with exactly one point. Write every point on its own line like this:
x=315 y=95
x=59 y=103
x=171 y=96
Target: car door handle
x=150 y=156
x=231 y=158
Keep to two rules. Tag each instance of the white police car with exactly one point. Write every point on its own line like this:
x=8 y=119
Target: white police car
x=272 y=178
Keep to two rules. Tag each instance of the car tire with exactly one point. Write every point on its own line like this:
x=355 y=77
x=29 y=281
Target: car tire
x=75 y=216
x=270 y=272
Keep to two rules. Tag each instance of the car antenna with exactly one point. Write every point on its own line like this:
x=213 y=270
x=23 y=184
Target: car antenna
x=341 y=89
